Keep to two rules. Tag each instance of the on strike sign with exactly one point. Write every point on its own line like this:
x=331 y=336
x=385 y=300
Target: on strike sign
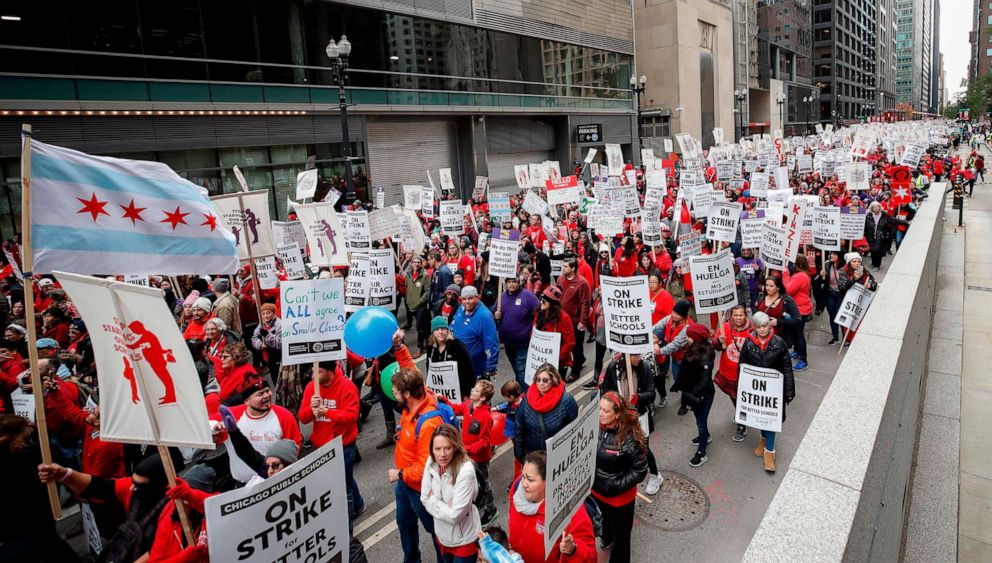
x=301 y=514
x=442 y=379
x=760 y=398
x=713 y=281
x=628 y=314
x=853 y=308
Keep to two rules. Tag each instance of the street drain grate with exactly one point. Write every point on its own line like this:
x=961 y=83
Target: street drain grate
x=679 y=506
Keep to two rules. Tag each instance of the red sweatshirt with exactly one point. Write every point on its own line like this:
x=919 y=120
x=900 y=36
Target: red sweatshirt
x=477 y=430
x=526 y=534
x=562 y=326
x=797 y=286
x=340 y=398
x=63 y=413
x=10 y=368
x=231 y=382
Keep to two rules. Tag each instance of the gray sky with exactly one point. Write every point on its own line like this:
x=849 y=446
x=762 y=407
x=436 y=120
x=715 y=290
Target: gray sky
x=955 y=23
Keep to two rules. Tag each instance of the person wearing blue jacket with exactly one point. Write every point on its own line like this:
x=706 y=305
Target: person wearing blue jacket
x=475 y=328
x=440 y=279
x=515 y=318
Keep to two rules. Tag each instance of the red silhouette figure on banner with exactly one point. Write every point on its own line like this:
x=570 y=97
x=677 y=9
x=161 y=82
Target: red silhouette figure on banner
x=129 y=376
x=157 y=357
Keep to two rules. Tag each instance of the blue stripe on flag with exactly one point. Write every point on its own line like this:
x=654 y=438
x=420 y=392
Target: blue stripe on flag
x=45 y=167
x=103 y=240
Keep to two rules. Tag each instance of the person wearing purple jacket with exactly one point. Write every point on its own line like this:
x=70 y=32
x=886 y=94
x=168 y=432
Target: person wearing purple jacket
x=514 y=314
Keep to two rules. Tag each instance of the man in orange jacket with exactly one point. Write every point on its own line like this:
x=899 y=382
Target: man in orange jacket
x=418 y=421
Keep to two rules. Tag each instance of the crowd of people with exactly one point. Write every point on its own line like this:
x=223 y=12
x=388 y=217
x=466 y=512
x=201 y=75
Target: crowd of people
x=442 y=448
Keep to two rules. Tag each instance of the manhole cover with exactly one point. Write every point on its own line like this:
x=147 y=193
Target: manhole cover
x=679 y=506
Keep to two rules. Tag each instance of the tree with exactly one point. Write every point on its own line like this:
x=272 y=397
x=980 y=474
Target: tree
x=976 y=98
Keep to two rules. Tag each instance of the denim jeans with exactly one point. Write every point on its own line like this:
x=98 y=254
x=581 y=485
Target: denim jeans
x=355 y=500
x=769 y=437
x=800 y=334
x=702 y=413
x=449 y=558
x=518 y=361
x=676 y=367
x=408 y=510
x=833 y=306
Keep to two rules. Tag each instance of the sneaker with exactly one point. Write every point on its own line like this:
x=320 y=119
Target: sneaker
x=695 y=441
x=385 y=443
x=359 y=511
x=833 y=342
x=591 y=384
x=663 y=402
x=605 y=546
x=793 y=354
x=801 y=365
x=654 y=484
x=683 y=410
x=698 y=459
x=739 y=434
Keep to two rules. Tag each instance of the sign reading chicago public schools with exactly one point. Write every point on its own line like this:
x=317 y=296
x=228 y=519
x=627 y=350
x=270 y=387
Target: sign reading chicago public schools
x=590 y=133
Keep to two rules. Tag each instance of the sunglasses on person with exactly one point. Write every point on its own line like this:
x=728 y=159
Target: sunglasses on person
x=275 y=465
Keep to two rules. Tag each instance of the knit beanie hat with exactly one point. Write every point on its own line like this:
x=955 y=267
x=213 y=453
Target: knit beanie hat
x=203 y=304
x=269 y=307
x=682 y=308
x=191 y=298
x=697 y=332
x=285 y=450
x=439 y=322
x=851 y=256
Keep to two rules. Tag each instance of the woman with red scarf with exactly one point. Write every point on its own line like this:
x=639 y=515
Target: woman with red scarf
x=547 y=409
x=729 y=340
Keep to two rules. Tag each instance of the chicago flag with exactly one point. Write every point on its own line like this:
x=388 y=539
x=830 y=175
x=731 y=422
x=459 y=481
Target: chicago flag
x=92 y=214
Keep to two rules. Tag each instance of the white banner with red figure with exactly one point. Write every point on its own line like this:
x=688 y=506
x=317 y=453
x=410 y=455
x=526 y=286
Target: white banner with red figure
x=149 y=390
x=247 y=216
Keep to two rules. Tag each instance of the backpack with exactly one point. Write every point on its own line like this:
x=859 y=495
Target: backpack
x=444 y=411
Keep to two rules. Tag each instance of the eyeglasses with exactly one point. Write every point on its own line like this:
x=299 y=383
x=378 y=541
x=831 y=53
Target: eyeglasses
x=542 y=380
x=275 y=465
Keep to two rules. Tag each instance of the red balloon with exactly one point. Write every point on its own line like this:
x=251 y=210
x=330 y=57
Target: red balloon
x=499 y=423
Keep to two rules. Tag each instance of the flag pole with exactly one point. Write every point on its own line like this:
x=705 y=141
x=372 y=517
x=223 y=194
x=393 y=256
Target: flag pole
x=251 y=262
x=27 y=262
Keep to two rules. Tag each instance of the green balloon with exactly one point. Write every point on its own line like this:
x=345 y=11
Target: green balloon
x=386 y=379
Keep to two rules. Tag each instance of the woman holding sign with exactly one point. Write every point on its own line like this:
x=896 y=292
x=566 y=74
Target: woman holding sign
x=443 y=347
x=730 y=340
x=764 y=349
x=621 y=463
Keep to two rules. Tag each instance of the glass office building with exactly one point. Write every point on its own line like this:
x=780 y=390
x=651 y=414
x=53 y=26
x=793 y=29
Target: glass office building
x=203 y=85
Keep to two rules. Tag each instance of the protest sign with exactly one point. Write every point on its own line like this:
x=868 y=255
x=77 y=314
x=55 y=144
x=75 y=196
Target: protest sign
x=246 y=214
x=427 y=202
x=499 y=207
x=325 y=236
x=412 y=197
x=534 y=205
x=614 y=158
x=798 y=208
x=543 y=349
x=442 y=379
x=451 y=212
x=286 y=232
x=805 y=163
x=447 y=184
x=782 y=178
x=552 y=171
x=713 y=281
x=90 y=528
x=853 y=308
x=149 y=391
x=292 y=260
x=357 y=232
x=357 y=291
x=135 y=279
x=23 y=404
x=563 y=190
x=240 y=176
x=312 y=320
x=773 y=245
x=751 y=228
x=503 y=253
x=382 y=279
x=722 y=222
x=605 y=220
x=759 y=184
x=522 y=176
x=297 y=515
x=691 y=243
x=863 y=142
x=852 y=222
x=760 y=398
x=571 y=467
x=536 y=174
x=267 y=273
x=590 y=155
x=480 y=189
x=826 y=227
x=858 y=175
x=650 y=227
x=725 y=170
x=384 y=223
x=306 y=183
x=627 y=311
x=702 y=198
x=411 y=230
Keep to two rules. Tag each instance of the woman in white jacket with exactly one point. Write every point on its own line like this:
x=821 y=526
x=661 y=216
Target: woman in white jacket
x=448 y=490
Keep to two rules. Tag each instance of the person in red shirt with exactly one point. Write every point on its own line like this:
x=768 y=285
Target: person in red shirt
x=662 y=301
x=330 y=402
x=234 y=370
x=625 y=259
x=55 y=325
x=551 y=318
x=456 y=260
x=576 y=297
x=535 y=232
x=477 y=436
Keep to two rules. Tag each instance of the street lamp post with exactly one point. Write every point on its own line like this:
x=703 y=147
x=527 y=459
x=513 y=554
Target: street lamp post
x=780 y=100
x=338 y=53
x=636 y=89
x=808 y=100
x=739 y=97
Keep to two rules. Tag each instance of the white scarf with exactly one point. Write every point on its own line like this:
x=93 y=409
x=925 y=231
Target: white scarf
x=523 y=505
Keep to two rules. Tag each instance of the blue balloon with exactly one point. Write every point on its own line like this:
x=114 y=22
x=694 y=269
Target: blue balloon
x=369 y=331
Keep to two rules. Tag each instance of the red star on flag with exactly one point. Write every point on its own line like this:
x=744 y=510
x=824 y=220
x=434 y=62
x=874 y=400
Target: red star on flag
x=175 y=218
x=93 y=206
x=133 y=213
x=211 y=220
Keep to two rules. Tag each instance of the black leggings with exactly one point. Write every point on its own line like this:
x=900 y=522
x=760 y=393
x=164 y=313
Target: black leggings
x=617 y=524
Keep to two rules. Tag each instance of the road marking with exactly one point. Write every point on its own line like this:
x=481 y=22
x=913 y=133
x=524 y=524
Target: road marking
x=391 y=527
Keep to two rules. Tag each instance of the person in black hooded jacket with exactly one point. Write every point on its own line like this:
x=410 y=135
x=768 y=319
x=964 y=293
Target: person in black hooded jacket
x=621 y=463
x=696 y=384
x=764 y=349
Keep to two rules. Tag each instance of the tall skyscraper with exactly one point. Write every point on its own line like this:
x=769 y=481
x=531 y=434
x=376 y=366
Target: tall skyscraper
x=914 y=52
x=885 y=71
x=844 y=58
